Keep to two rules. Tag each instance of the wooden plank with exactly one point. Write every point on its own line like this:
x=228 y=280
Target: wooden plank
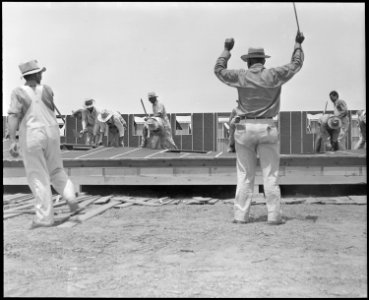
x=127 y=201
x=296 y=138
x=201 y=171
x=70 y=129
x=347 y=171
x=324 y=179
x=103 y=200
x=11 y=197
x=155 y=171
x=339 y=158
x=83 y=205
x=88 y=215
x=18 y=202
x=187 y=142
x=89 y=171
x=359 y=199
x=209 y=137
x=284 y=132
x=122 y=171
x=198 y=131
x=138 y=202
x=14 y=172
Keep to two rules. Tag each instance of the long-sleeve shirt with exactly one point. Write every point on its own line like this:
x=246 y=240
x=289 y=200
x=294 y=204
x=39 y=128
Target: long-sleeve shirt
x=117 y=121
x=259 y=89
x=42 y=113
x=340 y=108
x=159 y=110
x=90 y=118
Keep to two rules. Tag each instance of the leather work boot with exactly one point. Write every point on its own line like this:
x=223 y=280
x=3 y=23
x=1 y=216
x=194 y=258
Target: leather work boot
x=276 y=222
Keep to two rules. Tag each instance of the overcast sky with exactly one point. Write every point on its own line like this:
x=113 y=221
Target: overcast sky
x=118 y=52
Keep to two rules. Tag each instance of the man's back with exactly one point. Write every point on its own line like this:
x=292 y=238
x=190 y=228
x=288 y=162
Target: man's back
x=258 y=88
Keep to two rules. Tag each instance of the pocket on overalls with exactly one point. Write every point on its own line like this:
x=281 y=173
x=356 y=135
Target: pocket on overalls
x=271 y=134
x=240 y=127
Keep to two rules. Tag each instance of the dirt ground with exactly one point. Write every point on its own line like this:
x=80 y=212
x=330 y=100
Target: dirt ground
x=191 y=251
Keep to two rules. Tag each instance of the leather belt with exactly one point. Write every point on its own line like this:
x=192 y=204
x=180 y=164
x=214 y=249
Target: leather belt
x=256 y=118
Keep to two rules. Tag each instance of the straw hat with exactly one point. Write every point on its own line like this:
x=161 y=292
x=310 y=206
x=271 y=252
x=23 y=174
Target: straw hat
x=89 y=103
x=30 y=67
x=334 y=122
x=152 y=95
x=104 y=115
x=254 y=53
x=154 y=123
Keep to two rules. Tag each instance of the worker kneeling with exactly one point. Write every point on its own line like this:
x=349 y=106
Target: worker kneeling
x=328 y=132
x=153 y=133
x=116 y=124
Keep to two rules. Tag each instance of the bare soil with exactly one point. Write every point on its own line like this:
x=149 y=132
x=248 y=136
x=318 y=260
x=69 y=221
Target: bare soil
x=191 y=251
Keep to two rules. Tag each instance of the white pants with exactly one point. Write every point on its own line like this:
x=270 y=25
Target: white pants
x=343 y=133
x=254 y=137
x=40 y=149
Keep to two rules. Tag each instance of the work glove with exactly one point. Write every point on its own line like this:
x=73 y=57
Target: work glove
x=228 y=44
x=14 y=149
x=299 y=37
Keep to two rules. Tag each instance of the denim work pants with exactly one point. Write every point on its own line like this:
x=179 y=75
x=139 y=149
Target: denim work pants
x=257 y=137
x=42 y=160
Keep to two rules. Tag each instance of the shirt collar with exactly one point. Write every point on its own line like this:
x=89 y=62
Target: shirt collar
x=257 y=66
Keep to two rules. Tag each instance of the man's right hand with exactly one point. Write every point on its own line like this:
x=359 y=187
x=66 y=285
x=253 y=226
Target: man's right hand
x=14 y=149
x=299 y=37
x=228 y=44
x=82 y=132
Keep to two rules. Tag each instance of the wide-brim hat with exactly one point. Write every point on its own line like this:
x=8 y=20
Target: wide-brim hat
x=152 y=95
x=30 y=67
x=104 y=115
x=334 y=122
x=254 y=53
x=89 y=103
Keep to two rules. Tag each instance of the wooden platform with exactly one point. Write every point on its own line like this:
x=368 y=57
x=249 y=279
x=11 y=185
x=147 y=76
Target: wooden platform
x=140 y=166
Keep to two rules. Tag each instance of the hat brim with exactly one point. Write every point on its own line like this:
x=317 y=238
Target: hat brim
x=103 y=120
x=334 y=126
x=247 y=56
x=34 y=71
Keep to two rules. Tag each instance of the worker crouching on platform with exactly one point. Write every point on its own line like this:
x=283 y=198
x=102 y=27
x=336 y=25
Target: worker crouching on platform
x=92 y=128
x=328 y=131
x=362 y=129
x=32 y=110
x=159 y=125
x=340 y=111
x=116 y=124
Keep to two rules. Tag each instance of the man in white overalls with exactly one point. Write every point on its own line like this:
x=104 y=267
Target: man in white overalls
x=32 y=109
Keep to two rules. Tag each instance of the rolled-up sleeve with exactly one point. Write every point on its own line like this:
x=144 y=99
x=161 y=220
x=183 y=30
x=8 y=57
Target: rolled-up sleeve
x=15 y=107
x=229 y=77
